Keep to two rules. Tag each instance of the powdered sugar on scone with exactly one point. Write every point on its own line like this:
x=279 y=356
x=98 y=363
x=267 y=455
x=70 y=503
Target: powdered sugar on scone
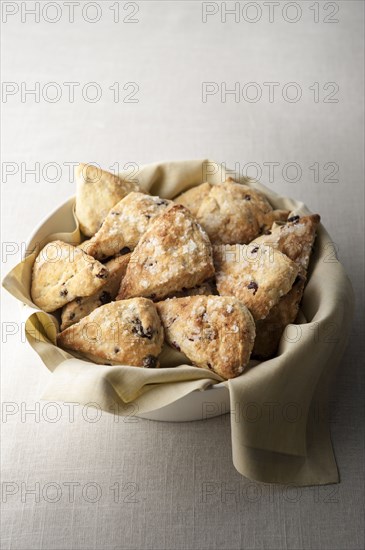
x=173 y=254
x=126 y=222
x=214 y=332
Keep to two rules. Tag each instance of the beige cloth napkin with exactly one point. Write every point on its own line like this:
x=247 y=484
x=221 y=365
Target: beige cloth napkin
x=279 y=417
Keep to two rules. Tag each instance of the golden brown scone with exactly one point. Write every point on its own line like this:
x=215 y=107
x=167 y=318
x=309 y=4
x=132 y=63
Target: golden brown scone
x=97 y=191
x=295 y=238
x=214 y=332
x=74 y=311
x=193 y=198
x=231 y=212
x=173 y=254
x=258 y=275
x=270 y=329
x=61 y=272
x=125 y=224
x=128 y=332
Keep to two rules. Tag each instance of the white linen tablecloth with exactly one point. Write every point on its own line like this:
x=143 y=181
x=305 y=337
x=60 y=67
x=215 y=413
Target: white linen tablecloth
x=73 y=480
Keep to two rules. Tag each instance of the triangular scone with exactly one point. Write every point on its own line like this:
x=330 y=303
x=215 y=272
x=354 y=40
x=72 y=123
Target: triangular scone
x=74 y=311
x=173 y=254
x=257 y=275
x=125 y=224
x=214 y=332
x=269 y=330
x=295 y=238
x=193 y=198
x=97 y=192
x=231 y=212
x=128 y=332
x=61 y=272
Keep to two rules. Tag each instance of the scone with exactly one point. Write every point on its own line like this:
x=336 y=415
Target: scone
x=74 y=311
x=295 y=238
x=269 y=330
x=120 y=333
x=61 y=273
x=173 y=254
x=214 y=332
x=231 y=212
x=258 y=275
x=125 y=224
x=97 y=192
x=193 y=198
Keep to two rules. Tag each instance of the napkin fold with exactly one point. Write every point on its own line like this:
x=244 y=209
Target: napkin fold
x=279 y=407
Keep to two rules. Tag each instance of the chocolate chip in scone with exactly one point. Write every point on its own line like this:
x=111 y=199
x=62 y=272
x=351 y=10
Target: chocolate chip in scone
x=140 y=330
x=170 y=321
x=160 y=202
x=71 y=316
x=254 y=286
x=105 y=297
x=247 y=197
x=103 y=274
x=150 y=361
x=293 y=219
x=78 y=300
x=124 y=250
x=254 y=250
x=116 y=350
x=115 y=213
x=64 y=292
x=176 y=346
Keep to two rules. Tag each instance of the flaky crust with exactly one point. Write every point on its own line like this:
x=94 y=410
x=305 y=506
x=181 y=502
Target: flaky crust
x=295 y=238
x=231 y=212
x=61 y=272
x=128 y=332
x=125 y=224
x=214 y=332
x=258 y=275
x=74 y=311
x=97 y=191
x=173 y=254
x=269 y=330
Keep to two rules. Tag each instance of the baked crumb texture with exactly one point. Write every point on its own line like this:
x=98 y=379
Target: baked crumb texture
x=127 y=332
x=97 y=191
x=173 y=254
x=231 y=213
x=214 y=332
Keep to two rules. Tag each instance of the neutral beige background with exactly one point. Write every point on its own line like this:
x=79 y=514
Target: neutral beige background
x=187 y=492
